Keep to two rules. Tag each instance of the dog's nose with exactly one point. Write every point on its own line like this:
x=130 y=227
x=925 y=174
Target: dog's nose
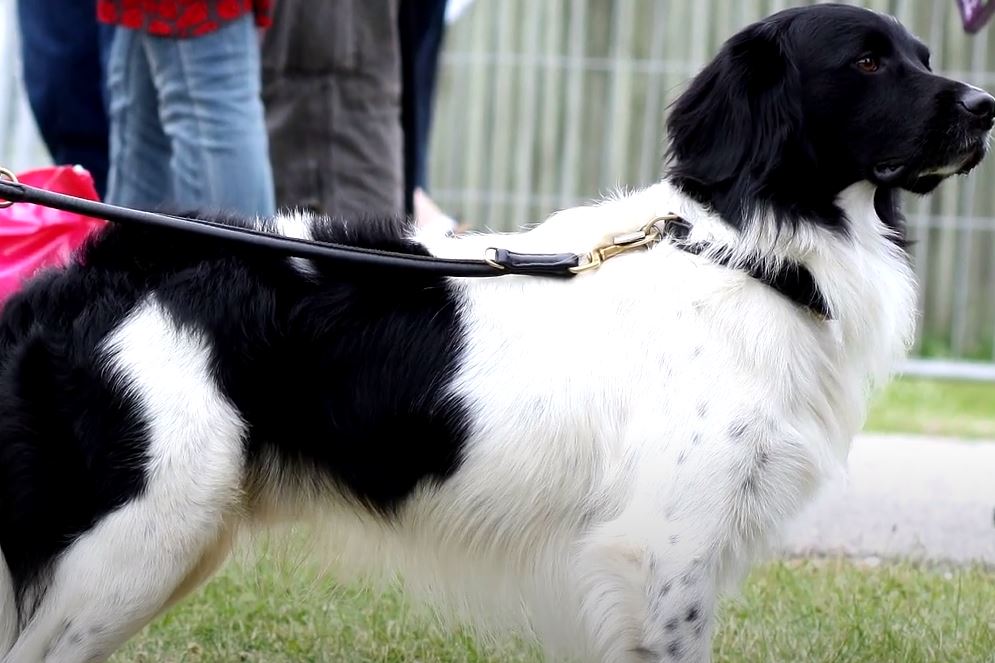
x=978 y=102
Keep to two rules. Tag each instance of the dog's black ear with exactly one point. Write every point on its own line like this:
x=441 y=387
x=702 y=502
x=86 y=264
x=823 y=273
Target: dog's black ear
x=737 y=129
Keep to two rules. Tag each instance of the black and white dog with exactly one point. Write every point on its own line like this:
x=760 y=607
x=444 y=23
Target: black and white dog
x=595 y=459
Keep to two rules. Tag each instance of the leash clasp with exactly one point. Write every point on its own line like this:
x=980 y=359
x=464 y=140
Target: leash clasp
x=651 y=233
x=6 y=174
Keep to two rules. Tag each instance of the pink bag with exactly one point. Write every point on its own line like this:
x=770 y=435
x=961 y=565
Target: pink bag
x=33 y=237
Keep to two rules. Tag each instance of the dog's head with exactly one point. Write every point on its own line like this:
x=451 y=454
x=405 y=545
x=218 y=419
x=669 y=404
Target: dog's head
x=799 y=106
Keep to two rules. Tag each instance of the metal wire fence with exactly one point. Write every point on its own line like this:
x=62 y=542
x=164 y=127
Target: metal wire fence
x=552 y=103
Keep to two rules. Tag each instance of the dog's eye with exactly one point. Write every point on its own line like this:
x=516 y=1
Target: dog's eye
x=868 y=63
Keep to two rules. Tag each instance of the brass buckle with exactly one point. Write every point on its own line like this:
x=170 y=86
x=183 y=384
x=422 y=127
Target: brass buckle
x=10 y=177
x=648 y=234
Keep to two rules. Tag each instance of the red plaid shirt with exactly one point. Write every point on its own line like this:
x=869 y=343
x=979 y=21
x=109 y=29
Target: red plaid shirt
x=180 y=18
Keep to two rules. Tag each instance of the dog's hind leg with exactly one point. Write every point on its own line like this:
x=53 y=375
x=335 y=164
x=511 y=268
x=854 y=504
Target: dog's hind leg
x=113 y=582
x=138 y=560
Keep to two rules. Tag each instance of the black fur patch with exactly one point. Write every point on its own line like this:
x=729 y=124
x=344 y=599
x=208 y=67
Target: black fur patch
x=339 y=373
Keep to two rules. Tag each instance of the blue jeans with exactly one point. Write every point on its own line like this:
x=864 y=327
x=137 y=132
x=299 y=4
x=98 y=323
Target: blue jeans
x=187 y=128
x=64 y=51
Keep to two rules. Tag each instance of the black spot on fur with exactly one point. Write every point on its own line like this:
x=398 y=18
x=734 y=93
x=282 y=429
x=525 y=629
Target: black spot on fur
x=702 y=409
x=675 y=648
x=753 y=476
x=682 y=457
x=645 y=653
x=693 y=614
x=672 y=624
x=738 y=429
x=666 y=588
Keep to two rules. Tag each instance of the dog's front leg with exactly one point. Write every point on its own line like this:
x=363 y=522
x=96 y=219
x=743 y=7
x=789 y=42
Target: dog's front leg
x=649 y=588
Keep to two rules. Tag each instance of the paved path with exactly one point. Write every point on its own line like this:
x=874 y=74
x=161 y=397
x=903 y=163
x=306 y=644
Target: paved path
x=913 y=497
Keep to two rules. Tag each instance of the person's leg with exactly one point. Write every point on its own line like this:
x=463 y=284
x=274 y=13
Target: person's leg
x=105 y=37
x=211 y=110
x=422 y=28
x=139 y=151
x=64 y=81
x=332 y=92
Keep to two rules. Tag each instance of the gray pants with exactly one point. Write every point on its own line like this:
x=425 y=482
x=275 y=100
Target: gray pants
x=332 y=91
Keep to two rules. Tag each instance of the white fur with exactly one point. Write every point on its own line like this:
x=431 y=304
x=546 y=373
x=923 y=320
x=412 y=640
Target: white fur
x=297 y=224
x=621 y=368
x=640 y=434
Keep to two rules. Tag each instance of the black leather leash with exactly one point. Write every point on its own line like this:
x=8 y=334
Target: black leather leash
x=503 y=262
x=794 y=282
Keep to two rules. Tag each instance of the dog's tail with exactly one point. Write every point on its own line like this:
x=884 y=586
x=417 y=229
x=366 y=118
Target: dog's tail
x=8 y=609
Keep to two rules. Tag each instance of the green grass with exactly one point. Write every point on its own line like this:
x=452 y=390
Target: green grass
x=259 y=612
x=839 y=611
x=806 y=611
x=935 y=407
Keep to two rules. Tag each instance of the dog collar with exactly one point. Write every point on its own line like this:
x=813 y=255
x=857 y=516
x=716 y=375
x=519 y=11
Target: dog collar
x=792 y=280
